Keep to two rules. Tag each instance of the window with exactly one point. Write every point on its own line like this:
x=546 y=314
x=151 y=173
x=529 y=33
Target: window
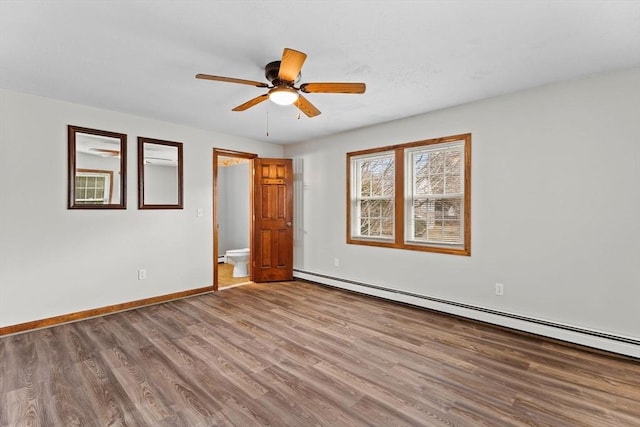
x=435 y=194
x=374 y=189
x=412 y=196
x=93 y=186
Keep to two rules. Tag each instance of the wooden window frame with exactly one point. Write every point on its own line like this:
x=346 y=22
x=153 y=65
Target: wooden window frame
x=399 y=240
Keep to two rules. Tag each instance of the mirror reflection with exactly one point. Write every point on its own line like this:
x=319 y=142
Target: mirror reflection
x=159 y=174
x=97 y=169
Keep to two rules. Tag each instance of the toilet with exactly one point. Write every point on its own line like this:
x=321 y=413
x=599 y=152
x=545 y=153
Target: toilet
x=240 y=260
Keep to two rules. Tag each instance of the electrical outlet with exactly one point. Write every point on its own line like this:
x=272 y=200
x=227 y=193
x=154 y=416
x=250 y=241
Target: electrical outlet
x=499 y=289
x=200 y=212
x=142 y=274
x=336 y=262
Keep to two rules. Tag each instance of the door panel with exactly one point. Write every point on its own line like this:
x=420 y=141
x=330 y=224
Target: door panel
x=265 y=253
x=273 y=217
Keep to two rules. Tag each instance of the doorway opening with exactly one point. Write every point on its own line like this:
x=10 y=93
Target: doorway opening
x=232 y=218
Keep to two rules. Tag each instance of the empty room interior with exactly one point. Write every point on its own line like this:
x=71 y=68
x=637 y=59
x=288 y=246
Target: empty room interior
x=360 y=213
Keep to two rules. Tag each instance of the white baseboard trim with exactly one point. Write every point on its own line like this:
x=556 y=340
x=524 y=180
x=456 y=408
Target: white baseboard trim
x=604 y=341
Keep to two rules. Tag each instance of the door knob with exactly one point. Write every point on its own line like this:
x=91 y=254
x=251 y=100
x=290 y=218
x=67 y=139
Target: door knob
x=288 y=223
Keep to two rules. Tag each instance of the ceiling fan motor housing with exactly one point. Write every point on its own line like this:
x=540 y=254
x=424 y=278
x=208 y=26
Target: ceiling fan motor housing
x=271 y=71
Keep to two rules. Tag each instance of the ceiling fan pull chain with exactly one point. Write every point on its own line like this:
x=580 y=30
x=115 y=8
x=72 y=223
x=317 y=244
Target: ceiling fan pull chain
x=267 y=121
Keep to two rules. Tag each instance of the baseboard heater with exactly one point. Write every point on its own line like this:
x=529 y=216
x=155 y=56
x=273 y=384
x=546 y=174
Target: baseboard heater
x=577 y=335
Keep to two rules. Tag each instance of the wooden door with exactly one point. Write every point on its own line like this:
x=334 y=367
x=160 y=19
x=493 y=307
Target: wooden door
x=273 y=218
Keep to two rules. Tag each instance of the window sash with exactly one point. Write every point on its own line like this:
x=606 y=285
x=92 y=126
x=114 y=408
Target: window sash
x=92 y=187
x=376 y=216
x=377 y=220
x=442 y=226
x=434 y=207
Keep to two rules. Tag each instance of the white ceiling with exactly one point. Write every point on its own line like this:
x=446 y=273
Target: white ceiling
x=140 y=57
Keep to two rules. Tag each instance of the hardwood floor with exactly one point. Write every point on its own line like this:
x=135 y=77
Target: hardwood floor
x=300 y=354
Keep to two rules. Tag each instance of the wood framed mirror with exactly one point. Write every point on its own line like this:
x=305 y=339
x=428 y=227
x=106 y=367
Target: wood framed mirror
x=160 y=177
x=97 y=177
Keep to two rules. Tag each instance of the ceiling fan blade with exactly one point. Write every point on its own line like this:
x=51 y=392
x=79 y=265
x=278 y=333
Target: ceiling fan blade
x=306 y=107
x=231 y=80
x=333 y=87
x=105 y=152
x=291 y=64
x=251 y=102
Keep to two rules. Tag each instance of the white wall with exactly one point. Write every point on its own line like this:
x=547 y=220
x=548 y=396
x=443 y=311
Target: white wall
x=555 y=211
x=55 y=261
x=233 y=210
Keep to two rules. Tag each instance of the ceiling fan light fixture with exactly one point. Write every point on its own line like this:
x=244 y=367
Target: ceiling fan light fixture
x=283 y=95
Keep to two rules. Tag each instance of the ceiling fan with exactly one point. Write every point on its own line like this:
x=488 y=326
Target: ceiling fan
x=283 y=75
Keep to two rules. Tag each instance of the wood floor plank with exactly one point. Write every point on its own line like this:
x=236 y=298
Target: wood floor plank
x=153 y=403
x=308 y=398
x=377 y=389
x=384 y=414
x=64 y=383
x=300 y=354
